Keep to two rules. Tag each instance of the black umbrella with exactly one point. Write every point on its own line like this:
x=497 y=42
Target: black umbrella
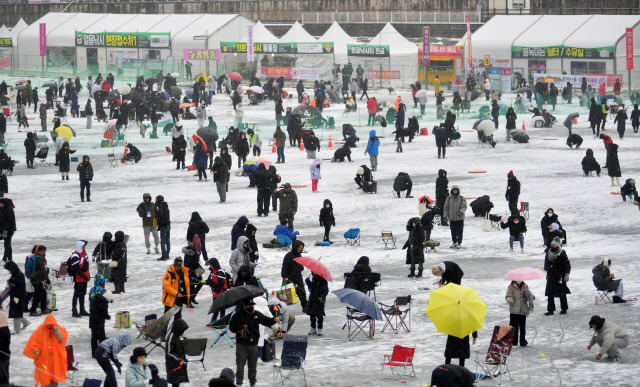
x=175 y=91
x=20 y=86
x=332 y=95
x=524 y=90
x=235 y=295
x=302 y=109
x=113 y=93
x=100 y=94
x=50 y=84
x=474 y=95
x=209 y=136
x=519 y=136
x=568 y=122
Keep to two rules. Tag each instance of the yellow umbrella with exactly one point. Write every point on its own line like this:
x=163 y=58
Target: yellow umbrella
x=203 y=77
x=456 y=310
x=551 y=79
x=65 y=132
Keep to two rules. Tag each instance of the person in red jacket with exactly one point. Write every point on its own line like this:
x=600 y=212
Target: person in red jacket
x=79 y=270
x=372 y=106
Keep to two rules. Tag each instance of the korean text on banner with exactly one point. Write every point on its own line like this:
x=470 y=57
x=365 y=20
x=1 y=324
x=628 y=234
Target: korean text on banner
x=426 y=39
x=43 y=39
x=201 y=54
x=250 y=54
x=469 y=40
x=629 y=44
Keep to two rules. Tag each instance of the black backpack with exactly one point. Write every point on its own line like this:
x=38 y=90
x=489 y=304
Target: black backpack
x=73 y=258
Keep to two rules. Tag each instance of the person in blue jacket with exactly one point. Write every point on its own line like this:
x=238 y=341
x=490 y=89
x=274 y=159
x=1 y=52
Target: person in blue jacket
x=372 y=149
x=283 y=229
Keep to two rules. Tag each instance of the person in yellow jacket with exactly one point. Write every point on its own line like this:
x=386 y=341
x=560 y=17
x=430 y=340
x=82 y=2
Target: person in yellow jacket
x=175 y=287
x=436 y=85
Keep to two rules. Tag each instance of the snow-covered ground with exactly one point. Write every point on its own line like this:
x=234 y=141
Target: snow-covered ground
x=599 y=226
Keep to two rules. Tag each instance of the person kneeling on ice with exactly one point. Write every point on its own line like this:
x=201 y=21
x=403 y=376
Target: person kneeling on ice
x=134 y=154
x=609 y=336
x=517 y=227
x=603 y=279
x=449 y=271
x=401 y=183
x=589 y=164
x=341 y=153
x=628 y=190
x=283 y=229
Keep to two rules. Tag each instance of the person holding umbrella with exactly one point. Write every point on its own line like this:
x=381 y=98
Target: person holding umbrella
x=520 y=300
x=318 y=290
x=245 y=324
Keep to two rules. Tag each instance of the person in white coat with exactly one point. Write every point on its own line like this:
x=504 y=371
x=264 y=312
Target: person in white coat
x=609 y=336
x=240 y=256
x=138 y=373
x=201 y=114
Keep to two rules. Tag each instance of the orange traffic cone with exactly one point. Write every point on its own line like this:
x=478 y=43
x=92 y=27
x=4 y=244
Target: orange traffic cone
x=273 y=149
x=458 y=128
x=575 y=121
x=330 y=143
x=524 y=128
x=126 y=152
x=301 y=144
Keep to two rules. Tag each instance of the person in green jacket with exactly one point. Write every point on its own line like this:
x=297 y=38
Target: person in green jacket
x=148 y=211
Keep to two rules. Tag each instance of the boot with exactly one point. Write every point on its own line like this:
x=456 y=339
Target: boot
x=319 y=332
x=75 y=314
x=84 y=313
x=313 y=331
x=419 y=275
x=157 y=250
x=148 y=250
x=412 y=274
x=618 y=300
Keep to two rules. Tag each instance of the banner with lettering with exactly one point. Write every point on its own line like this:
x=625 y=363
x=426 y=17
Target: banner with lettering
x=201 y=54
x=562 y=52
x=277 y=48
x=289 y=73
x=560 y=80
x=375 y=74
x=124 y=39
x=367 y=50
x=6 y=42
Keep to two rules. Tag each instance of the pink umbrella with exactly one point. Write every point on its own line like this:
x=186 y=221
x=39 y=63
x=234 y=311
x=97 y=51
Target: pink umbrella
x=111 y=124
x=524 y=274
x=235 y=76
x=315 y=266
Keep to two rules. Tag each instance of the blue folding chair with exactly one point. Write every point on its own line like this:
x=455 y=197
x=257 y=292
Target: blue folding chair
x=284 y=242
x=352 y=236
x=294 y=352
x=221 y=327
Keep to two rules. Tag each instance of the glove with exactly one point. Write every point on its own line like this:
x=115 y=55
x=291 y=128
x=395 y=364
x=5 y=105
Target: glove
x=16 y=300
x=108 y=317
x=119 y=370
x=151 y=381
x=566 y=277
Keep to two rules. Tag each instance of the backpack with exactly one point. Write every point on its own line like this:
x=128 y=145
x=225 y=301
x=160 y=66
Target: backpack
x=196 y=244
x=71 y=270
x=228 y=283
x=30 y=265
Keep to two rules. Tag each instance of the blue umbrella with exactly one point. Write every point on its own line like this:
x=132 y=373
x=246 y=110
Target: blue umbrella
x=608 y=96
x=359 y=301
x=189 y=93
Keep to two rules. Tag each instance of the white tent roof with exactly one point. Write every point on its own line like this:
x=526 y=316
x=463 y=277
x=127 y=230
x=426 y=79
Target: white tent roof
x=496 y=36
x=169 y=23
x=110 y=22
x=4 y=32
x=20 y=25
x=397 y=43
x=297 y=34
x=601 y=31
x=27 y=41
x=338 y=36
x=219 y=27
x=63 y=36
x=552 y=30
x=260 y=34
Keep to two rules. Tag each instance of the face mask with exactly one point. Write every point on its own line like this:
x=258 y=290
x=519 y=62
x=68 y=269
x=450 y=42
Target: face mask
x=327 y=206
x=246 y=248
x=555 y=249
x=549 y=214
x=516 y=221
x=249 y=309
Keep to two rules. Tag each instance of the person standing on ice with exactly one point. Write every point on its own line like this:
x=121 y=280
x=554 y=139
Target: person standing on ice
x=609 y=336
x=454 y=209
x=80 y=271
x=314 y=170
x=148 y=211
x=372 y=149
x=164 y=227
x=442 y=192
x=613 y=164
x=520 y=302
x=513 y=193
x=85 y=173
x=288 y=204
x=558 y=267
x=327 y=219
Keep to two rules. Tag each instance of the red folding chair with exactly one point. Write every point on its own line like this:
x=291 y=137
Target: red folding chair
x=495 y=364
x=7 y=113
x=401 y=357
x=72 y=366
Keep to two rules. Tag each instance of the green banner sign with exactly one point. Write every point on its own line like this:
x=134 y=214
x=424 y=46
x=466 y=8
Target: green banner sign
x=562 y=52
x=278 y=48
x=367 y=50
x=6 y=42
x=124 y=39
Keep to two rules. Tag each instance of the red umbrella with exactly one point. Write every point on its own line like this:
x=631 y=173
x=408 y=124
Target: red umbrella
x=204 y=144
x=315 y=266
x=235 y=76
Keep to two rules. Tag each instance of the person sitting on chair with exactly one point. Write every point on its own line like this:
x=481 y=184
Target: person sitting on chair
x=603 y=279
x=353 y=280
x=363 y=177
x=283 y=229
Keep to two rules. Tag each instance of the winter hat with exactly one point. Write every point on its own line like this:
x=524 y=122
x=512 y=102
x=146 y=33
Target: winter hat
x=178 y=124
x=360 y=171
x=556 y=242
x=437 y=269
x=555 y=227
x=214 y=262
x=606 y=263
x=597 y=321
x=510 y=175
x=178 y=260
x=227 y=373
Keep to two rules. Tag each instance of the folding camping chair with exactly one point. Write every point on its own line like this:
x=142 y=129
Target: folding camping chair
x=603 y=296
x=400 y=357
x=120 y=139
x=62 y=272
x=7 y=113
x=395 y=317
x=430 y=246
x=495 y=364
x=352 y=237
x=357 y=323
x=284 y=242
x=154 y=331
x=111 y=156
x=388 y=239
x=294 y=353
x=42 y=157
x=524 y=210
x=221 y=328
x=495 y=221
x=72 y=365
x=195 y=347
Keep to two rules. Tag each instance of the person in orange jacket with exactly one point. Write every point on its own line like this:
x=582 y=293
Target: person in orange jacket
x=47 y=348
x=175 y=287
x=398 y=102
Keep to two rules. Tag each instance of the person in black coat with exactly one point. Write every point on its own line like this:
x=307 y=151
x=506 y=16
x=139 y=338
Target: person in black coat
x=613 y=165
x=442 y=192
x=495 y=112
x=548 y=219
x=621 y=119
x=85 y=173
x=250 y=233
x=512 y=193
x=175 y=354
x=30 y=148
x=227 y=379
x=451 y=375
x=7 y=227
x=102 y=251
x=363 y=177
x=354 y=280
x=164 y=227
x=558 y=267
x=275 y=180
x=98 y=315
x=511 y=121
x=574 y=139
x=595 y=112
x=292 y=271
x=449 y=272
x=318 y=290
x=427 y=220
x=589 y=164
x=237 y=230
x=180 y=151
x=17 y=296
x=458 y=348
x=415 y=247
x=635 y=118
x=245 y=277
x=517 y=227
x=481 y=206
x=119 y=254
x=341 y=153
x=198 y=227
x=628 y=190
x=134 y=154
x=401 y=183
x=5 y=349
x=326 y=218
x=441 y=136
x=241 y=149
x=64 y=160
x=262 y=181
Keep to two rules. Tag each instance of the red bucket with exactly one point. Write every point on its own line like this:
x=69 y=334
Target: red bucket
x=424 y=132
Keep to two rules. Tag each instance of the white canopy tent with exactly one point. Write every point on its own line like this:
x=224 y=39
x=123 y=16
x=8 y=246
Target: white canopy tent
x=297 y=34
x=404 y=55
x=340 y=40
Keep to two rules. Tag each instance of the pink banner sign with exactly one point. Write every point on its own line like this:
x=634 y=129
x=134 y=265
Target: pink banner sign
x=375 y=74
x=43 y=39
x=201 y=54
x=629 y=45
x=426 y=39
